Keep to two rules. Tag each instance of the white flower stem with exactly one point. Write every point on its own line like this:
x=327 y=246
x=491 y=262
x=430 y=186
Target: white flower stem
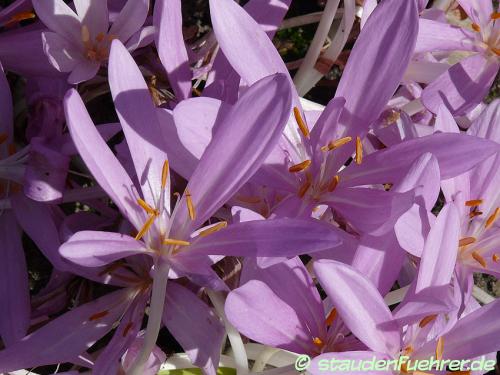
x=239 y=352
x=317 y=43
x=154 y=320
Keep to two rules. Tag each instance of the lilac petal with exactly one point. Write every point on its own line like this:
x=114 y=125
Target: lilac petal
x=380 y=259
x=137 y=115
x=260 y=314
x=370 y=77
x=474 y=335
x=83 y=71
x=94 y=249
x=59 y=18
x=130 y=19
x=142 y=38
x=462 y=86
x=171 y=48
x=46 y=172
x=278 y=237
x=202 y=337
x=360 y=306
x=440 y=250
x=436 y=36
x=100 y=160
x=108 y=361
x=6 y=111
x=478 y=10
x=94 y=15
x=75 y=331
x=332 y=363
x=247 y=134
x=14 y=289
x=248 y=48
x=461 y=153
x=412 y=228
x=424 y=174
x=38 y=222
x=369 y=209
x=152 y=366
x=484 y=125
x=290 y=281
x=63 y=55
x=445 y=122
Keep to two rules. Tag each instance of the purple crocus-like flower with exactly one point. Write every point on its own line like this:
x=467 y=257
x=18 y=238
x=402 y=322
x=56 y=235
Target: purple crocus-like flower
x=79 y=43
x=173 y=239
x=466 y=83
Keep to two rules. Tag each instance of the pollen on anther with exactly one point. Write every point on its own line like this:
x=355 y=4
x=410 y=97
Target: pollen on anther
x=476 y=27
x=190 y=205
x=475 y=213
x=466 y=241
x=336 y=144
x=21 y=16
x=85 y=34
x=495 y=15
x=495 y=258
x=439 y=348
x=426 y=320
x=217 y=227
x=331 y=317
x=150 y=210
x=492 y=218
x=164 y=174
x=300 y=122
x=359 y=151
x=479 y=258
x=98 y=315
x=333 y=183
x=474 y=202
x=300 y=166
x=303 y=188
x=100 y=37
x=171 y=241
x=145 y=227
x=318 y=342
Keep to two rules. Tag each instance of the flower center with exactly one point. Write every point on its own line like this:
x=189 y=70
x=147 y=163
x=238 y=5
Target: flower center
x=96 y=50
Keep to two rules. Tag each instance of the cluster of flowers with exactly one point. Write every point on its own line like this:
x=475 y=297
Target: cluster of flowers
x=219 y=175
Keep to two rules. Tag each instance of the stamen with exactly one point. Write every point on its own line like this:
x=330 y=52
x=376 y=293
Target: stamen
x=164 y=174
x=439 y=348
x=496 y=50
x=3 y=137
x=21 y=16
x=408 y=350
x=318 y=342
x=474 y=202
x=85 y=34
x=495 y=15
x=331 y=317
x=217 y=227
x=98 y=315
x=303 y=189
x=466 y=241
x=476 y=27
x=336 y=144
x=302 y=125
x=495 y=258
x=492 y=218
x=359 y=151
x=479 y=258
x=426 y=320
x=475 y=213
x=145 y=227
x=128 y=327
x=150 y=210
x=100 y=37
x=190 y=206
x=333 y=183
x=299 y=167
x=171 y=241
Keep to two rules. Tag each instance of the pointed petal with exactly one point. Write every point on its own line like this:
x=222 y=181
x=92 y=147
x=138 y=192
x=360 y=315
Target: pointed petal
x=278 y=237
x=478 y=10
x=412 y=228
x=462 y=86
x=94 y=249
x=76 y=330
x=103 y=165
x=171 y=48
x=94 y=15
x=202 y=337
x=360 y=306
x=140 y=124
x=440 y=250
x=83 y=71
x=461 y=153
x=436 y=36
x=59 y=18
x=62 y=54
x=130 y=19
x=14 y=290
x=247 y=134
